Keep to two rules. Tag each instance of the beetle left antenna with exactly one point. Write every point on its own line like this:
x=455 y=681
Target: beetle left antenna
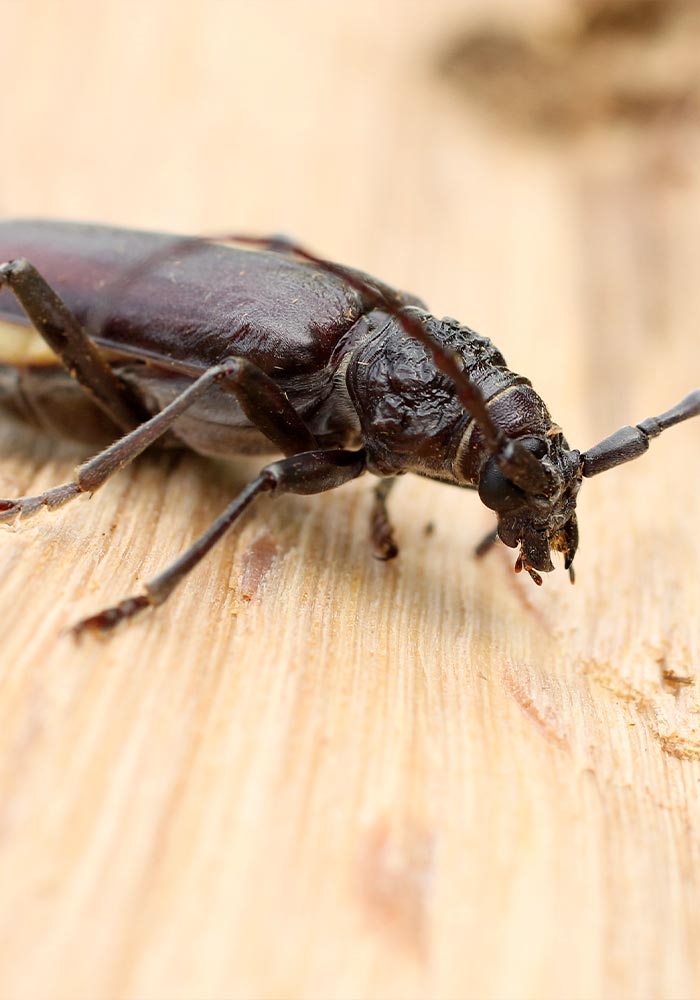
x=631 y=442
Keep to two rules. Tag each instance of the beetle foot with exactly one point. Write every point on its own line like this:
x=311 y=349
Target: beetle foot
x=12 y=510
x=384 y=547
x=22 y=507
x=383 y=544
x=105 y=621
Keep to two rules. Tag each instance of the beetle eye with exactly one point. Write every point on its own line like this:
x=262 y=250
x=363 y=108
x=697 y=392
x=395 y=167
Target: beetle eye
x=536 y=445
x=496 y=491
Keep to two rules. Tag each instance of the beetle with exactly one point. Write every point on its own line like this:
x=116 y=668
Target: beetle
x=255 y=346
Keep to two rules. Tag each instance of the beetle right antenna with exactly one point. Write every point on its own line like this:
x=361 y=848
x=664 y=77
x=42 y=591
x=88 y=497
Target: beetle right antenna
x=631 y=442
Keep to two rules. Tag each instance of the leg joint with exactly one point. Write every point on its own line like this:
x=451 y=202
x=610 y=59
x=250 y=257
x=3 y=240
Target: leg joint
x=11 y=268
x=232 y=368
x=16 y=267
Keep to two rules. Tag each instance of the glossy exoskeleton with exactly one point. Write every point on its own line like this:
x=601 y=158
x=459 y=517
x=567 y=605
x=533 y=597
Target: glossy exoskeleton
x=261 y=347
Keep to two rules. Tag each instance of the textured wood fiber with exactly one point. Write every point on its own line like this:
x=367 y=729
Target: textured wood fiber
x=311 y=774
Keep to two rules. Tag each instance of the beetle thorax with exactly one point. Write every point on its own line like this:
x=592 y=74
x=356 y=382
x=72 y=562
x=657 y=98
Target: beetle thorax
x=410 y=417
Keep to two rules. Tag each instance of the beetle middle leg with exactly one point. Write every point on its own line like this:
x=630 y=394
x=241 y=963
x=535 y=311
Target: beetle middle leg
x=309 y=473
x=262 y=400
x=381 y=532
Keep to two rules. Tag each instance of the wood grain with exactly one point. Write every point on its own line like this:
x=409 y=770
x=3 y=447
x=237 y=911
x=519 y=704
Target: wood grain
x=311 y=774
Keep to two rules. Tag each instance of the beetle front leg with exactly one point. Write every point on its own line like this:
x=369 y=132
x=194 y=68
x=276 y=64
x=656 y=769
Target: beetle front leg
x=54 y=321
x=312 y=472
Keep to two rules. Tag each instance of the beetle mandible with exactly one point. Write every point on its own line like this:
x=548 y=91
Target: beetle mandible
x=259 y=347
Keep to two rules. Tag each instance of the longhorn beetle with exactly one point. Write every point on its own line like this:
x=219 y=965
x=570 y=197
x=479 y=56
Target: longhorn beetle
x=260 y=346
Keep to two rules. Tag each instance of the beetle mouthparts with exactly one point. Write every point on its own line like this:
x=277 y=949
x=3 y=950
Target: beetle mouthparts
x=522 y=564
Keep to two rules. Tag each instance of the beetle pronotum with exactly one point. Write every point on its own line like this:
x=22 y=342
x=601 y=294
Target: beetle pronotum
x=262 y=347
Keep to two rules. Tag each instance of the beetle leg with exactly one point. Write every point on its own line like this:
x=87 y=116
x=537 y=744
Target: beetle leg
x=54 y=321
x=266 y=406
x=381 y=533
x=278 y=420
x=312 y=472
x=486 y=544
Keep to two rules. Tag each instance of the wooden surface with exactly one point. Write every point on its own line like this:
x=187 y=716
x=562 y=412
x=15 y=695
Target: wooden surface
x=311 y=774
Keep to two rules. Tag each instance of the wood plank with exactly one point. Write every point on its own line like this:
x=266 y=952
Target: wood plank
x=311 y=774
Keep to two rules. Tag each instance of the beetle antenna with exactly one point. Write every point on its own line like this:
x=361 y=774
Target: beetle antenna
x=447 y=361
x=631 y=442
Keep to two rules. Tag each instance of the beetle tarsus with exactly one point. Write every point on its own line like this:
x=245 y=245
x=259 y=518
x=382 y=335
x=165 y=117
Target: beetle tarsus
x=105 y=621
x=23 y=507
x=384 y=547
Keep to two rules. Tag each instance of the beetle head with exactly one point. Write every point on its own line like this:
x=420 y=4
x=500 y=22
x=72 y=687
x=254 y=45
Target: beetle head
x=535 y=500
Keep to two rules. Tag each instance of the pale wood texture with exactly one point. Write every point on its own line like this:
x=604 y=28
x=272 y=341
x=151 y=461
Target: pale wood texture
x=311 y=774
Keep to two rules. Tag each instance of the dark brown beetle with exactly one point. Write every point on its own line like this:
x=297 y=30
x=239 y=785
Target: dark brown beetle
x=266 y=348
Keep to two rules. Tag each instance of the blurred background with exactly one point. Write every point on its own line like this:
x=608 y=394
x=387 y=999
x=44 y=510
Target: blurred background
x=491 y=792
